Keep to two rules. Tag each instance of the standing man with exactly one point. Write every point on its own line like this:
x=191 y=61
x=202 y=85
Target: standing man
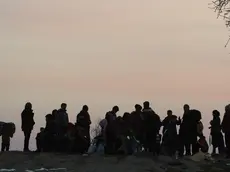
x=226 y=129
x=83 y=120
x=27 y=117
x=62 y=119
x=137 y=123
x=152 y=124
x=170 y=137
x=188 y=130
x=111 y=130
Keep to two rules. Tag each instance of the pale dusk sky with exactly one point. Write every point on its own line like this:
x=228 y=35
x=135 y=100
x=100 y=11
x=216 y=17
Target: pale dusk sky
x=110 y=52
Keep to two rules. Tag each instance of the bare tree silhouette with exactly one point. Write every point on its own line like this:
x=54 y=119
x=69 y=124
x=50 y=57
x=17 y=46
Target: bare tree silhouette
x=222 y=8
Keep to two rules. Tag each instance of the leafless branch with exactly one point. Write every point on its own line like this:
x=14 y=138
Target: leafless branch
x=222 y=8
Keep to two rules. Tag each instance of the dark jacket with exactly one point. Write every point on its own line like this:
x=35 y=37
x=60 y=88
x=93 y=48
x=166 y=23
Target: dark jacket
x=152 y=121
x=62 y=119
x=111 y=129
x=83 y=119
x=189 y=124
x=170 y=123
x=27 y=117
x=215 y=125
x=137 y=123
x=226 y=123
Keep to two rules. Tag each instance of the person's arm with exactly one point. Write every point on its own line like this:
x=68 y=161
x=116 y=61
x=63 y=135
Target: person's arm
x=33 y=118
x=159 y=123
x=164 y=122
x=22 y=120
x=224 y=123
x=104 y=131
x=67 y=118
x=89 y=119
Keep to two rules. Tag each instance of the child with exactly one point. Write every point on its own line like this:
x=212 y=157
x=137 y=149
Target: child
x=39 y=140
x=8 y=131
x=217 y=136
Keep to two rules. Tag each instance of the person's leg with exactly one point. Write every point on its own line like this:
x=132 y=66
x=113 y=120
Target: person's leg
x=88 y=137
x=195 y=148
x=181 y=146
x=214 y=150
x=173 y=147
x=26 y=141
x=221 y=146
x=149 y=141
x=3 y=147
x=187 y=149
x=154 y=143
x=8 y=147
x=227 y=142
x=38 y=144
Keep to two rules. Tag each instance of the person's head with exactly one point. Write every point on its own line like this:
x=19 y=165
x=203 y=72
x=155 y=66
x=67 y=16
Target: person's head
x=115 y=109
x=227 y=108
x=169 y=113
x=48 y=117
x=63 y=106
x=186 y=108
x=54 y=112
x=126 y=115
x=28 y=105
x=146 y=105
x=119 y=119
x=85 y=108
x=215 y=113
x=42 y=129
x=138 y=107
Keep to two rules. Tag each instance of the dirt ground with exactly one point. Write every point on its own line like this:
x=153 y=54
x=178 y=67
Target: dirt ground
x=30 y=162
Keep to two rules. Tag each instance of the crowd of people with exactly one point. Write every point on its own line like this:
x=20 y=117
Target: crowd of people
x=139 y=130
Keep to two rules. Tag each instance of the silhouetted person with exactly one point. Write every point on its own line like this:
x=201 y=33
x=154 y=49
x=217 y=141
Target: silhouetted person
x=40 y=140
x=188 y=130
x=55 y=114
x=152 y=124
x=137 y=123
x=27 y=117
x=8 y=131
x=111 y=130
x=127 y=121
x=62 y=120
x=83 y=120
x=217 y=136
x=183 y=131
x=170 y=137
x=226 y=129
x=49 y=134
